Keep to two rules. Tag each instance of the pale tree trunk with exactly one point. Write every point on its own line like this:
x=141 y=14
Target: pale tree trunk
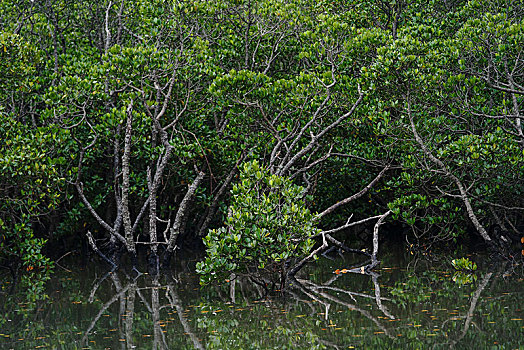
x=153 y=184
x=126 y=216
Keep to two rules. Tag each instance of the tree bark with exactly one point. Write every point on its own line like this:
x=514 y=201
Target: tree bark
x=126 y=216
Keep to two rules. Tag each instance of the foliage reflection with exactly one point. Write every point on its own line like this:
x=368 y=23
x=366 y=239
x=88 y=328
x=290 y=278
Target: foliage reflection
x=400 y=308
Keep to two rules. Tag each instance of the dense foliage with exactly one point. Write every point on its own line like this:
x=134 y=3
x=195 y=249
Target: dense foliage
x=128 y=121
x=268 y=226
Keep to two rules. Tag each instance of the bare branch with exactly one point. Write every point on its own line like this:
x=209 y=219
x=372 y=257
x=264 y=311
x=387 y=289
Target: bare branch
x=315 y=138
x=356 y=195
x=302 y=262
x=349 y=224
x=175 y=229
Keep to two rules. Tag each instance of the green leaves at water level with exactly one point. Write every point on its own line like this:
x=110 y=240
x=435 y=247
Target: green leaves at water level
x=268 y=227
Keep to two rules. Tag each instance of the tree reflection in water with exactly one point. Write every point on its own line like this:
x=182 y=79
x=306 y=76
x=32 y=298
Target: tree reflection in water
x=398 y=309
x=126 y=295
x=319 y=293
x=319 y=297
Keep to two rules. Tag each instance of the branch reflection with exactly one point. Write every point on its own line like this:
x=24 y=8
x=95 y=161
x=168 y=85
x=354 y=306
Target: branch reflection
x=130 y=295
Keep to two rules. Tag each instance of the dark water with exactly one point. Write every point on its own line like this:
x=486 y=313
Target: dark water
x=409 y=304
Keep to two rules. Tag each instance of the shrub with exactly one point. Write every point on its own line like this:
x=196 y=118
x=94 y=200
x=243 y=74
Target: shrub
x=268 y=228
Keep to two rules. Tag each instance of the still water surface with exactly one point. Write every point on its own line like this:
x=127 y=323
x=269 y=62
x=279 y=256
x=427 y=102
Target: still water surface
x=408 y=304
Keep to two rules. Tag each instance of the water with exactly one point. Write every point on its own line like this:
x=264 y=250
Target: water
x=409 y=304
